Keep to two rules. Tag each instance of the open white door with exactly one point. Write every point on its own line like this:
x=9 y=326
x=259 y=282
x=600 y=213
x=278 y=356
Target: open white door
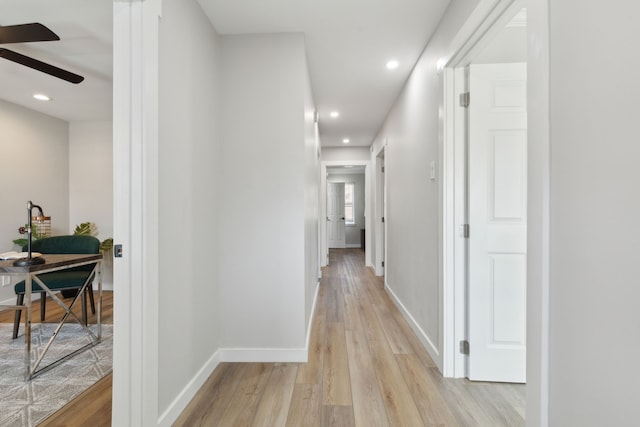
x=383 y=234
x=335 y=215
x=498 y=223
x=380 y=212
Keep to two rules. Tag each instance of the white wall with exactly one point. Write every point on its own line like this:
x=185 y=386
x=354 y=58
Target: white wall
x=412 y=132
x=35 y=151
x=594 y=287
x=311 y=199
x=505 y=47
x=91 y=181
x=353 y=231
x=91 y=175
x=345 y=153
x=262 y=268
x=238 y=257
x=189 y=321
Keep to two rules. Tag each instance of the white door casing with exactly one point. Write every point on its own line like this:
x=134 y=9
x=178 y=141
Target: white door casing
x=135 y=212
x=383 y=235
x=498 y=222
x=335 y=215
x=380 y=212
x=368 y=208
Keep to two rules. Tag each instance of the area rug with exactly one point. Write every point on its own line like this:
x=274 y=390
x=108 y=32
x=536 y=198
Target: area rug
x=28 y=403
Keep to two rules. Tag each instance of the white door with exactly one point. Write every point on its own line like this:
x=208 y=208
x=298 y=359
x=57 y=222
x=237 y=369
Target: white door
x=380 y=209
x=335 y=215
x=498 y=222
x=384 y=214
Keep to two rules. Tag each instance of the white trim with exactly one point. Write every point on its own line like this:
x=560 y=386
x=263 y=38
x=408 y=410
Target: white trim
x=11 y=301
x=313 y=315
x=454 y=215
x=381 y=228
x=36 y=295
x=489 y=17
x=261 y=355
x=420 y=333
x=123 y=353
x=323 y=206
x=538 y=241
x=171 y=414
x=135 y=104
x=353 y=245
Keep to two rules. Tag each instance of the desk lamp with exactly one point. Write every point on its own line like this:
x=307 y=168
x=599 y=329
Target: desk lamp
x=24 y=262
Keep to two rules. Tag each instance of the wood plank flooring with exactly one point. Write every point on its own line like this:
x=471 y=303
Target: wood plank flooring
x=366 y=368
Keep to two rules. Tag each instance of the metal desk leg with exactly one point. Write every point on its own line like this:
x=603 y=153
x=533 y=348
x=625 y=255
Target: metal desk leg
x=33 y=371
x=99 y=314
x=27 y=325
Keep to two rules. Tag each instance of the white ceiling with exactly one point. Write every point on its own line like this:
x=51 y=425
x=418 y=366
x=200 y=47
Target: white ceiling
x=348 y=43
x=85 y=48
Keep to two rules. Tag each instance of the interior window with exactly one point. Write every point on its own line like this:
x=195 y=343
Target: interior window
x=349 y=209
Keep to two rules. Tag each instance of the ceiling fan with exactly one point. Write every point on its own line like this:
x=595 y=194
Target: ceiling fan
x=34 y=32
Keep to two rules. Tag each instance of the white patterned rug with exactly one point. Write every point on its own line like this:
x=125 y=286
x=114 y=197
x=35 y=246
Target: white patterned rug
x=27 y=403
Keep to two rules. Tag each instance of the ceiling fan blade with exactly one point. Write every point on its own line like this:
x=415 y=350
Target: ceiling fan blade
x=40 y=66
x=24 y=33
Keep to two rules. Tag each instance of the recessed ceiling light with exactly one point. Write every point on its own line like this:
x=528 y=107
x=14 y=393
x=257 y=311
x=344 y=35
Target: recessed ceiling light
x=346 y=141
x=41 y=97
x=393 y=64
x=334 y=114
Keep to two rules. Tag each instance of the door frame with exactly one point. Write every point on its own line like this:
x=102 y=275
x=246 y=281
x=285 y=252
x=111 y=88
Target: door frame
x=488 y=18
x=135 y=213
x=380 y=211
x=323 y=206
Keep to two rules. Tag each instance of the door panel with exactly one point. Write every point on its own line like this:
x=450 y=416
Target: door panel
x=335 y=215
x=498 y=223
x=508 y=154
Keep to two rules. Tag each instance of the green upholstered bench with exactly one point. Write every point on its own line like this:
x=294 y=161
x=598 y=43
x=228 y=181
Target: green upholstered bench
x=70 y=280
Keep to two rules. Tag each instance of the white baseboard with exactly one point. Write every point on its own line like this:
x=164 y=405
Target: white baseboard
x=239 y=355
x=178 y=405
x=12 y=301
x=35 y=296
x=422 y=336
x=256 y=355
x=353 y=245
x=311 y=317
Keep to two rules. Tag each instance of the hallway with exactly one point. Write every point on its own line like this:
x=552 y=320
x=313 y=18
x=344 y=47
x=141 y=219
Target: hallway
x=366 y=368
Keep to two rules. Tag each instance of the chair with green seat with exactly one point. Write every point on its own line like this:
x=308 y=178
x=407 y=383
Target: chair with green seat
x=69 y=280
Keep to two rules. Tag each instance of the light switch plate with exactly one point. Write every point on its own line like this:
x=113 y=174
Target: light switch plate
x=5 y=280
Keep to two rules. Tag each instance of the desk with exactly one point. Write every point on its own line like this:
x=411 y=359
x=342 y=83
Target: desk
x=30 y=273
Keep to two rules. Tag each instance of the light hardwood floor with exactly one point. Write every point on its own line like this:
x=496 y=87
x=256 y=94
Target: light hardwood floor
x=366 y=368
